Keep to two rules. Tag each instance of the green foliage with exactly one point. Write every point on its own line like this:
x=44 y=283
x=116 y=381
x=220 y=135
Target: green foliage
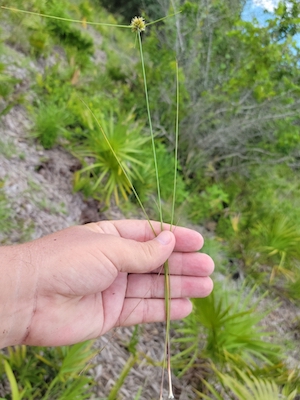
x=55 y=84
x=287 y=135
x=10 y=222
x=81 y=45
x=5 y=212
x=50 y=121
x=225 y=327
x=280 y=240
x=38 y=38
x=161 y=72
x=239 y=113
x=126 y=369
x=244 y=387
x=261 y=223
x=147 y=186
x=36 y=372
x=216 y=249
x=6 y=82
x=105 y=174
x=287 y=21
x=232 y=326
x=247 y=82
x=292 y=287
x=208 y=204
x=8 y=97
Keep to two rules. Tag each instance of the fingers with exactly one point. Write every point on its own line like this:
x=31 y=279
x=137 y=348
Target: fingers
x=136 y=311
x=137 y=257
x=192 y=264
x=152 y=286
x=140 y=230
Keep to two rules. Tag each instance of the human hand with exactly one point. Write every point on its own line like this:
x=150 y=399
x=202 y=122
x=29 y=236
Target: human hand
x=78 y=283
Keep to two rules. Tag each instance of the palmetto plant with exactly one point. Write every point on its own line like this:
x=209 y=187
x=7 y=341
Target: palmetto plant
x=225 y=327
x=278 y=242
x=47 y=373
x=244 y=387
x=102 y=170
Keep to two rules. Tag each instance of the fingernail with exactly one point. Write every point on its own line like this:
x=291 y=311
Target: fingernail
x=164 y=237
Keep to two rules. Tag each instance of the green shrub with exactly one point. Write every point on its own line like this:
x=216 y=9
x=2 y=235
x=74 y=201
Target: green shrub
x=68 y=34
x=147 y=186
x=54 y=85
x=261 y=221
x=208 y=204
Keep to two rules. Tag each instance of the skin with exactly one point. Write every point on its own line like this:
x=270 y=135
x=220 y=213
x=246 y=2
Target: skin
x=78 y=283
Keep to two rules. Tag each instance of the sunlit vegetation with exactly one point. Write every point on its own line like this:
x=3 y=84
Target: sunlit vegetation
x=238 y=172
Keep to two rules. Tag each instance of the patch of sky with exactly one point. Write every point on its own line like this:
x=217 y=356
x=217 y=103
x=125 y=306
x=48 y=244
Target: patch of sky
x=261 y=11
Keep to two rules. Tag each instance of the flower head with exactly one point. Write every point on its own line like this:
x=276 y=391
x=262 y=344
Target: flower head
x=138 y=24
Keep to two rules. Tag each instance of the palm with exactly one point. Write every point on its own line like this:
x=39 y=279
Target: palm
x=78 y=317
x=89 y=280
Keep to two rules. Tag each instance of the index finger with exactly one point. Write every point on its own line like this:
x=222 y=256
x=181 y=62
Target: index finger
x=187 y=240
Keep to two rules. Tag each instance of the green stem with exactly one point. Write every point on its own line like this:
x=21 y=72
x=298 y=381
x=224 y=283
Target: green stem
x=168 y=323
x=64 y=19
x=151 y=130
x=125 y=371
x=176 y=146
x=163 y=18
x=166 y=265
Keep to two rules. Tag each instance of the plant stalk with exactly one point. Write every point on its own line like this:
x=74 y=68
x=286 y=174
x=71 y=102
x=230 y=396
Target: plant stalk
x=151 y=129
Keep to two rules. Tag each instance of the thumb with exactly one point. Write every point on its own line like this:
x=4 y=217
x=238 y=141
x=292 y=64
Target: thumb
x=142 y=257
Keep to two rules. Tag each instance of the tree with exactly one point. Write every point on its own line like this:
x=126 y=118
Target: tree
x=242 y=83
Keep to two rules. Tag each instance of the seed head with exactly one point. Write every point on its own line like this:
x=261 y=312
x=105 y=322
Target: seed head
x=138 y=24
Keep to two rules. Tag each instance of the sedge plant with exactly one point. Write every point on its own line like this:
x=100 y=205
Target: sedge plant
x=138 y=26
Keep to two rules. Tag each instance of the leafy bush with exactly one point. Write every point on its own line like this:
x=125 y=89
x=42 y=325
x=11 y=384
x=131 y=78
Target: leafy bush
x=81 y=44
x=209 y=204
x=55 y=84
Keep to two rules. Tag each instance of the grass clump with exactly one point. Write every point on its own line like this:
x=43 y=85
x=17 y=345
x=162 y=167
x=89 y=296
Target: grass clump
x=50 y=120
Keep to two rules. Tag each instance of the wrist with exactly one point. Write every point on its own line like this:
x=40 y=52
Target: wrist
x=17 y=293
